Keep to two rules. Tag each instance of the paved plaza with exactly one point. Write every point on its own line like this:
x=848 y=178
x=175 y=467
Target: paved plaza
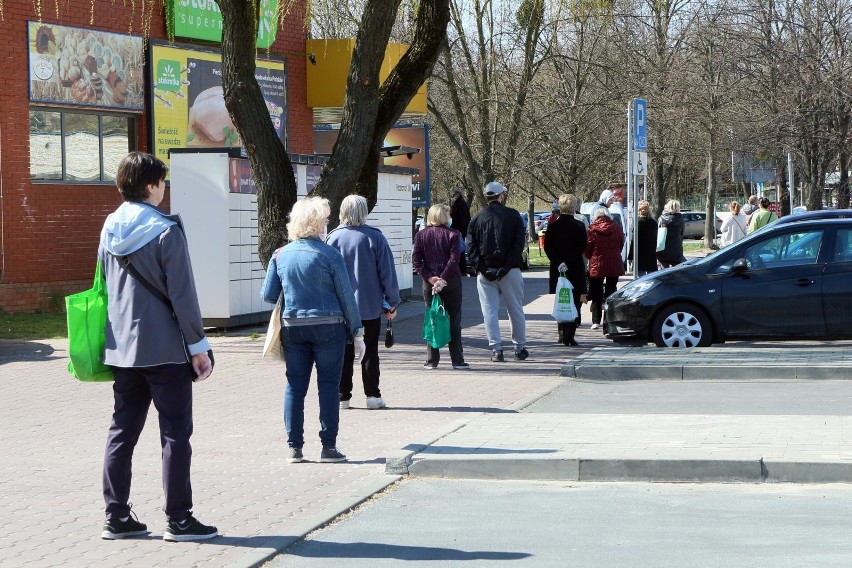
x=482 y=421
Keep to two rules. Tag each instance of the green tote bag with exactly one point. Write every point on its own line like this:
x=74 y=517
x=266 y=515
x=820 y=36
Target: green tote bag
x=87 y=316
x=436 y=324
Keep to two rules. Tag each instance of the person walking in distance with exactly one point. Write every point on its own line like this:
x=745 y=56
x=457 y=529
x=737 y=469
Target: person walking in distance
x=603 y=249
x=734 y=227
x=564 y=246
x=460 y=221
x=495 y=241
x=155 y=344
x=672 y=221
x=762 y=217
x=646 y=228
x=372 y=274
x=435 y=257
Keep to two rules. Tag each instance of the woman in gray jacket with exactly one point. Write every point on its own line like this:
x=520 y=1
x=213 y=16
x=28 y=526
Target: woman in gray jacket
x=155 y=344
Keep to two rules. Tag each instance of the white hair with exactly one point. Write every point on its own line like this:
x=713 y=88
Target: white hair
x=354 y=210
x=308 y=217
x=601 y=212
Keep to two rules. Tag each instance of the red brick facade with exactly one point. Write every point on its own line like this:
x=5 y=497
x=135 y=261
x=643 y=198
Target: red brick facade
x=49 y=232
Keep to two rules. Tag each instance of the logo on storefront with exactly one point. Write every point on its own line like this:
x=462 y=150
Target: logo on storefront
x=168 y=75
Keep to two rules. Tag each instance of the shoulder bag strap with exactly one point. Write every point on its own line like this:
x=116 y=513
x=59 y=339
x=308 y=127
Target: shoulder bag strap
x=125 y=261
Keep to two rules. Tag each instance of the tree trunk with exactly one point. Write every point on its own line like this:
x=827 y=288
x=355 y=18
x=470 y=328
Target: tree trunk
x=361 y=106
x=843 y=187
x=710 y=221
x=273 y=172
x=412 y=70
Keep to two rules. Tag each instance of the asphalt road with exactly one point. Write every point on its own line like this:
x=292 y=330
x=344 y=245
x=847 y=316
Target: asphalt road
x=464 y=523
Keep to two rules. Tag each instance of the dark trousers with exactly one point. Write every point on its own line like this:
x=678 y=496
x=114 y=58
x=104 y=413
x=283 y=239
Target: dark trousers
x=451 y=295
x=599 y=290
x=170 y=388
x=369 y=365
x=567 y=330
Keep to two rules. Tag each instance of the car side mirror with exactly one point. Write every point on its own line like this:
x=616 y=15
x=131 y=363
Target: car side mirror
x=740 y=266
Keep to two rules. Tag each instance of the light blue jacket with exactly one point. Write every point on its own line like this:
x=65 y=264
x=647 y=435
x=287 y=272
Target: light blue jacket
x=369 y=261
x=315 y=283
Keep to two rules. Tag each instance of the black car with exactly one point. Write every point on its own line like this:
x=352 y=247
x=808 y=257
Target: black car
x=786 y=281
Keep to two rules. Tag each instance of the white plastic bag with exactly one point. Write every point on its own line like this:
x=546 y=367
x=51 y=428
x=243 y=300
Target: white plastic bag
x=564 y=309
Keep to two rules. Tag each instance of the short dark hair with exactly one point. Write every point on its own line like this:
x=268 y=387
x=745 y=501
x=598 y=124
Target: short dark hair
x=764 y=202
x=136 y=172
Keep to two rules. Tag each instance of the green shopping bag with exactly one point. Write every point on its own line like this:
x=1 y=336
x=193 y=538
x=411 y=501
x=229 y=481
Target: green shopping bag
x=436 y=324
x=87 y=316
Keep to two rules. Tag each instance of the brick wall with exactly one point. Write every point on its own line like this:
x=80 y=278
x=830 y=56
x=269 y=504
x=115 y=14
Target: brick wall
x=50 y=231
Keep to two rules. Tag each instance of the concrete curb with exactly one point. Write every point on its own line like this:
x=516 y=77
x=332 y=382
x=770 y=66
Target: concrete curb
x=618 y=372
x=556 y=468
x=398 y=462
x=275 y=545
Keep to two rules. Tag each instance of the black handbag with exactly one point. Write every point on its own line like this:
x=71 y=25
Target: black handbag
x=389 y=341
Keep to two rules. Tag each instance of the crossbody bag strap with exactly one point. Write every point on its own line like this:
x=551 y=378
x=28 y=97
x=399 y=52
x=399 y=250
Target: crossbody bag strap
x=125 y=262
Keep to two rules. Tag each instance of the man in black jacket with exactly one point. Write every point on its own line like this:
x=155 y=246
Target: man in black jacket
x=495 y=241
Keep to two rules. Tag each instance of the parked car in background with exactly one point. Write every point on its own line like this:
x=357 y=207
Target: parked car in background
x=693 y=224
x=541 y=219
x=788 y=280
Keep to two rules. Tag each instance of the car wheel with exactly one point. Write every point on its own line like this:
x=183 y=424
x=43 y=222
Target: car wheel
x=682 y=325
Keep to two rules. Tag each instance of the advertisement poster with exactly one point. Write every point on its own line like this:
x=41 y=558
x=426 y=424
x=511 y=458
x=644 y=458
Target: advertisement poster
x=411 y=136
x=202 y=19
x=85 y=67
x=188 y=108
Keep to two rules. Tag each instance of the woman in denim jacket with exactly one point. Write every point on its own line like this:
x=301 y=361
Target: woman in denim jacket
x=318 y=318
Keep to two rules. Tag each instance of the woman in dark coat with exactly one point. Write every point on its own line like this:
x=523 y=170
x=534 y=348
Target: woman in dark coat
x=672 y=220
x=603 y=249
x=646 y=229
x=564 y=243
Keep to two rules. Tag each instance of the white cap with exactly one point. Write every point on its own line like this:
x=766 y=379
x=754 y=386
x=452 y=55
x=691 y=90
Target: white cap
x=494 y=188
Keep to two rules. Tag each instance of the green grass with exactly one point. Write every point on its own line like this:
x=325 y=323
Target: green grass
x=33 y=326
x=535 y=259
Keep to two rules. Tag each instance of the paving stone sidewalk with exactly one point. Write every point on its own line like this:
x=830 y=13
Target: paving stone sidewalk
x=54 y=430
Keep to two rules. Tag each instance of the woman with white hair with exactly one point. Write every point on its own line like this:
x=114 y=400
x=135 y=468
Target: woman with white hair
x=603 y=249
x=319 y=318
x=372 y=274
x=672 y=221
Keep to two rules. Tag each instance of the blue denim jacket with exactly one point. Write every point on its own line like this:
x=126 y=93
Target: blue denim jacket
x=315 y=282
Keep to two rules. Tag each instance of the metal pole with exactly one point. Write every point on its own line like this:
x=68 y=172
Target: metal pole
x=790 y=178
x=631 y=187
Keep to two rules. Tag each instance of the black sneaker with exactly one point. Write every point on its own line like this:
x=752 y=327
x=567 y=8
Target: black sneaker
x=115 y=529
x=188 y=529
x=331 y=455
x=522 y=354
x=497 y=356
x=294 y=455
x=461 y=367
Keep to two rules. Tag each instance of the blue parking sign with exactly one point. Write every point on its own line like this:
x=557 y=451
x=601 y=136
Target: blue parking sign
x=640 y=125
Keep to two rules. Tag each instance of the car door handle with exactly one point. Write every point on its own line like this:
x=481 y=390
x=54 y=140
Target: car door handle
x=802 y=282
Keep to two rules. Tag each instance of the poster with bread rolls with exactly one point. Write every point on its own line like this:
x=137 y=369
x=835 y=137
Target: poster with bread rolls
x=188 y=106
x=83 y=67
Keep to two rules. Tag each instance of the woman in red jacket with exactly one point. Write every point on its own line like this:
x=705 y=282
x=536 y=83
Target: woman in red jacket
x=603 y=249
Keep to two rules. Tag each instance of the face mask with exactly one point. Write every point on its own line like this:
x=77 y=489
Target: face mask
x=324 y=233
x=450 y=222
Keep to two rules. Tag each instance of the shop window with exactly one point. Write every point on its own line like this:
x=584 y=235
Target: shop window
x=77 y=146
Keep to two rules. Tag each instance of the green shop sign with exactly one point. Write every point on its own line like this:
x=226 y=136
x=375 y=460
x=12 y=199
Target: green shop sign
x=201 y=19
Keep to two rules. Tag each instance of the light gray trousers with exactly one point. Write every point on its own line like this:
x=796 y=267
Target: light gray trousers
x=510 y=289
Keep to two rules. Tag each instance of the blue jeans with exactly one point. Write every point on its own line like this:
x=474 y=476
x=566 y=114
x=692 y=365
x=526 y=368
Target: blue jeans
x=305 y=346
x=509 y=289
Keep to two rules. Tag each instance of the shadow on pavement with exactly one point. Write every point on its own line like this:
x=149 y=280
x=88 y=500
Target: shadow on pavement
x=324 y=549
x=486 y=410
x=12 y=350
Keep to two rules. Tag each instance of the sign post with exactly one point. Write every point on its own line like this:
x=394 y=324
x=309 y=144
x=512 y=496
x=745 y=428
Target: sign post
x=637 y=165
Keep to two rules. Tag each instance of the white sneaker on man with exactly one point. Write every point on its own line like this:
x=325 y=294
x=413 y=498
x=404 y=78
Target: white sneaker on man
x=596 y=326
x=375 y=402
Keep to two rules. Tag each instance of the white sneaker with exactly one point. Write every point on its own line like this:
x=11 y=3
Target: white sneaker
x=375 y=402
x=344 y=404
x=596 y=326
